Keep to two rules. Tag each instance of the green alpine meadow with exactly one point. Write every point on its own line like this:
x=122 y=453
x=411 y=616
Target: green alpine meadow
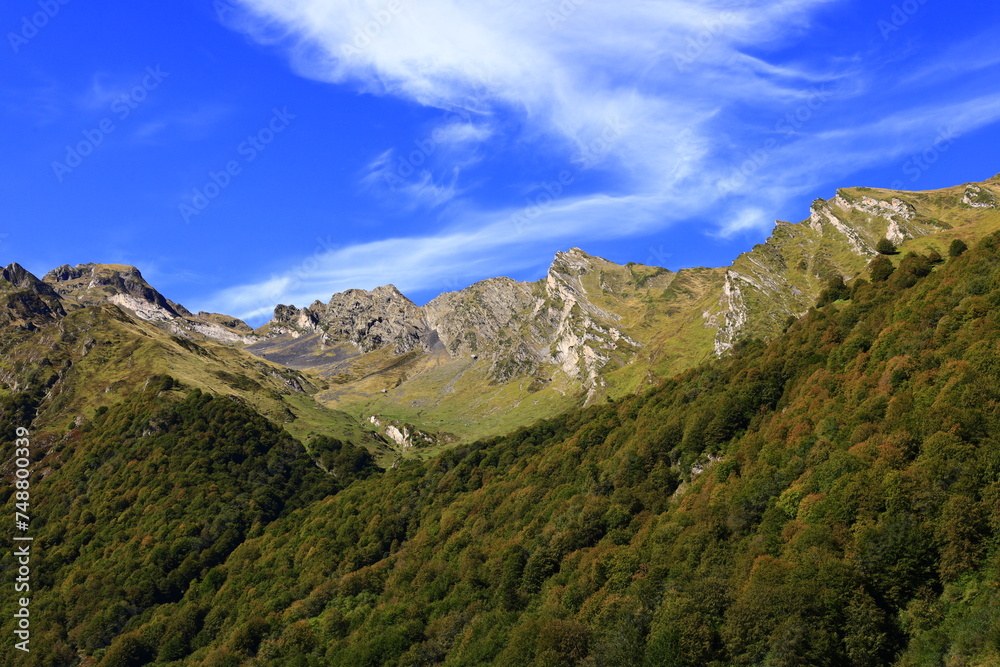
x=790 y=460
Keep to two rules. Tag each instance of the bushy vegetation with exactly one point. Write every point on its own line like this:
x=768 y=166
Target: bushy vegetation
x=829 y=498
x=148 y=500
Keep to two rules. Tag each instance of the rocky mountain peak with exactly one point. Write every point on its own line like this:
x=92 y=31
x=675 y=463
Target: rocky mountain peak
x=389 y=292
x=27 y=301
x=572 y=264
x=21 y=278
x=564 y=280
x=90 y=285
x=370 y=319
x=120 y=284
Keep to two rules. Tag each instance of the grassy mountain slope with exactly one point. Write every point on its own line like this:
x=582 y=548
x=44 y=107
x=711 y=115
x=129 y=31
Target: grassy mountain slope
x=828 y=498
x=783 y=277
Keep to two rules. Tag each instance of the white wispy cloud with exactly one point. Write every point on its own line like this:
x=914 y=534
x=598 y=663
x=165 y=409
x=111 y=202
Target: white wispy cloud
x=396 y=176
x=663 y=97
x=568 y=69
x=975 y=53
x=189 y=124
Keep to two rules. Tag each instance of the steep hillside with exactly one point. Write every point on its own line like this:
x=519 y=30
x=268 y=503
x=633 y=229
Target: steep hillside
x=829 y=498
x=131 y=509
x=783 y=277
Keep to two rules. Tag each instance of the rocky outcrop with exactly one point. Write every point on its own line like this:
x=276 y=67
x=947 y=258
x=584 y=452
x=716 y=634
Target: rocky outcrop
x=978 y=197
x=584 y=335
x=17 y=277
x=215 y=332
x=371 y=320
x=124 y=286
x=406 y=436
x=221 y=328
x=735 y=313
x=293 y=321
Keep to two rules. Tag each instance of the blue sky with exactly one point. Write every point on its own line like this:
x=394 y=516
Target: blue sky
x=244 y=153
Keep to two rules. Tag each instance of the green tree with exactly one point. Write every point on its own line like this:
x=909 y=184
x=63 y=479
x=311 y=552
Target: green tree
x=834 y=290
x=957 y=247
x=128 y=651
x=885 y=247
x=880 y=269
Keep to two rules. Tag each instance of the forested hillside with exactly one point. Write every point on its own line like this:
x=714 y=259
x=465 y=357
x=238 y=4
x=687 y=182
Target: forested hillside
x=829 y=498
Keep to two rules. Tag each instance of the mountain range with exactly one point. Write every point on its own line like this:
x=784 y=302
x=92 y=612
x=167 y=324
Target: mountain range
x=792 y=460
x=501 y=354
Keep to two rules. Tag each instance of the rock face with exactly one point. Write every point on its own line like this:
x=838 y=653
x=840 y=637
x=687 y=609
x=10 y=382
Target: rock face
x=979 y=197
x=515 y=328
x=92 y=284
x=406 y=436
x=369 y=320
x=583 y=335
